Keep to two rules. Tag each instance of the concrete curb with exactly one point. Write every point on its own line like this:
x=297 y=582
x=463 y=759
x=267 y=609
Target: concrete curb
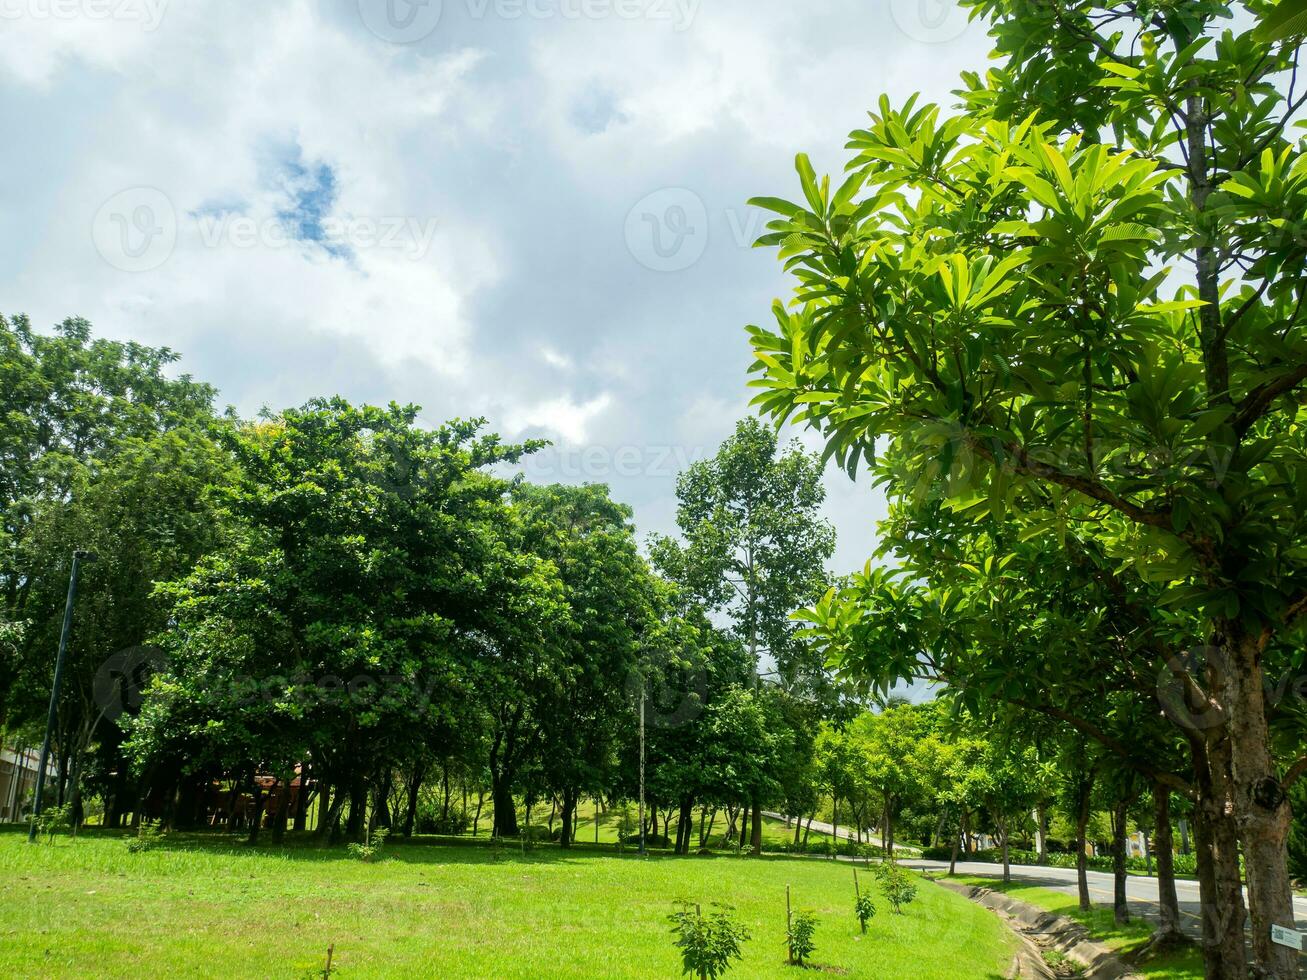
x=1040 y=929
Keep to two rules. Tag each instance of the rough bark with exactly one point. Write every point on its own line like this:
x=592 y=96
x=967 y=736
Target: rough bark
x=1168 y=928
x=1261 y=808
x=1216 y=848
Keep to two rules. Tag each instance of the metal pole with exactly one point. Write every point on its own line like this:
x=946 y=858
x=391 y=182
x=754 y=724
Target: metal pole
x=642 y=766
x=54 y=695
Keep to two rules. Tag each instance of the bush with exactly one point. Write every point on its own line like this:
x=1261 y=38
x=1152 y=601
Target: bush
x=799 y=936
x=53 y=819
x=632 y=839
x=371 y=847
x=864 y=910
x=431 y=821
x=147 y=836
x=707 y=943
x=898 y=884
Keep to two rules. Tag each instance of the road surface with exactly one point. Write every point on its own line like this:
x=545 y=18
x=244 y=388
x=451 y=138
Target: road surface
x=1141 y=892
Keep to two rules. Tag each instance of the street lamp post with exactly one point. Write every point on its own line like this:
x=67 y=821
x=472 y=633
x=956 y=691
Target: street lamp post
x=78 y=558
x=642 y=695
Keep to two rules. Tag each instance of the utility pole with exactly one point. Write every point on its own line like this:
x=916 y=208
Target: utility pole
x=52 y=717
x=642 y=695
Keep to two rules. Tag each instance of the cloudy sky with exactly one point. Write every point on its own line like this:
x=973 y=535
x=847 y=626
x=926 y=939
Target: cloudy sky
x=531 y=210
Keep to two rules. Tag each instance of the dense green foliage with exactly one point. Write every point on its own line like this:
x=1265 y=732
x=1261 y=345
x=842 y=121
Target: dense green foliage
x=1064 y=325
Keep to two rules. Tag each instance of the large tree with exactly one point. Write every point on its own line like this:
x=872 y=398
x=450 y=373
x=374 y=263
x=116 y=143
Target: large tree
x=754 y=548
x=754 y=544
x=1085 y=293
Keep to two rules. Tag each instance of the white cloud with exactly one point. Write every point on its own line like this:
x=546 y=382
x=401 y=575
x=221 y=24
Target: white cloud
x=525 y=141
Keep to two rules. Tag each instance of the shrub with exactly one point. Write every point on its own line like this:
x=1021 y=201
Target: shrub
x=147 y=836
x=864 y=910
x=632 y=839
x=799 y=936
x=371 y=846
x=53 y=819
x=898 y=884
x=707 y=943
x=431 y=821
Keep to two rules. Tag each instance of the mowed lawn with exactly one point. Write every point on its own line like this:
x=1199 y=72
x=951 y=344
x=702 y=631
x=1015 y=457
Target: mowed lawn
x=210 y=907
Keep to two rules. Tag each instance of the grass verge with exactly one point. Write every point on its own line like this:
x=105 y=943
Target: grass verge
x=1185 y=963
x=209 y=906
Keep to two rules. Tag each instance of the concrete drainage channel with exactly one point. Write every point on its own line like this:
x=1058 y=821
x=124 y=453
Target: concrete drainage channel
x=1052 y=946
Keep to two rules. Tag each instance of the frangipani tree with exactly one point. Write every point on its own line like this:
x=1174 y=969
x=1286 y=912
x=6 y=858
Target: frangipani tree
x=1085 y=292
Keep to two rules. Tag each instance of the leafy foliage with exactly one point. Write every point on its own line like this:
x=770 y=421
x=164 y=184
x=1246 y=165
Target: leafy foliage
x=898 y=884
x=799 y=936
x=708 y=943
x=864 y=909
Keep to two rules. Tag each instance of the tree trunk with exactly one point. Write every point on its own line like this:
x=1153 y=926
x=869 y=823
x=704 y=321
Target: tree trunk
x=481 y=800
x=755 y=844
x=302 y=800
x=567 y=828
x=1217 y=850
x=1007 y=864
x=358 y=804
x=685 y=825
x=1082 y=861
x=1041 y=821
x=835 y=820
x=1260 y=803
x=414 y=789
x=381 y=801
x=325 y=801
x=889 y=830
x=1120 y=907
x=283 y=808
x=1168 y=928
x=256 y=809
x=501 y=795
x=953 y=858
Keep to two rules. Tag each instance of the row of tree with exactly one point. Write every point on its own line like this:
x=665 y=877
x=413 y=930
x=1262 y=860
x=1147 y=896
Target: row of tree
x=338 y=603
x=1065 y=325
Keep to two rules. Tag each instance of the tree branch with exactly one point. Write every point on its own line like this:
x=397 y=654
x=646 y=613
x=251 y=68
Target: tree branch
x=1090 y=488
x=1259 y=400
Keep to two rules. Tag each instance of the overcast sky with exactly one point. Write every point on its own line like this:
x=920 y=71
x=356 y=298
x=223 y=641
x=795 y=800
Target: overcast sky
x=531 y=210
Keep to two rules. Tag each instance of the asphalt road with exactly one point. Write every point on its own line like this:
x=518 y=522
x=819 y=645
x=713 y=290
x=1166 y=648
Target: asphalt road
x=1141 y=892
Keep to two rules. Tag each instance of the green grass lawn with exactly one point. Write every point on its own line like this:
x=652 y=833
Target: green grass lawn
x=1181 y=964
x=207 y=906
